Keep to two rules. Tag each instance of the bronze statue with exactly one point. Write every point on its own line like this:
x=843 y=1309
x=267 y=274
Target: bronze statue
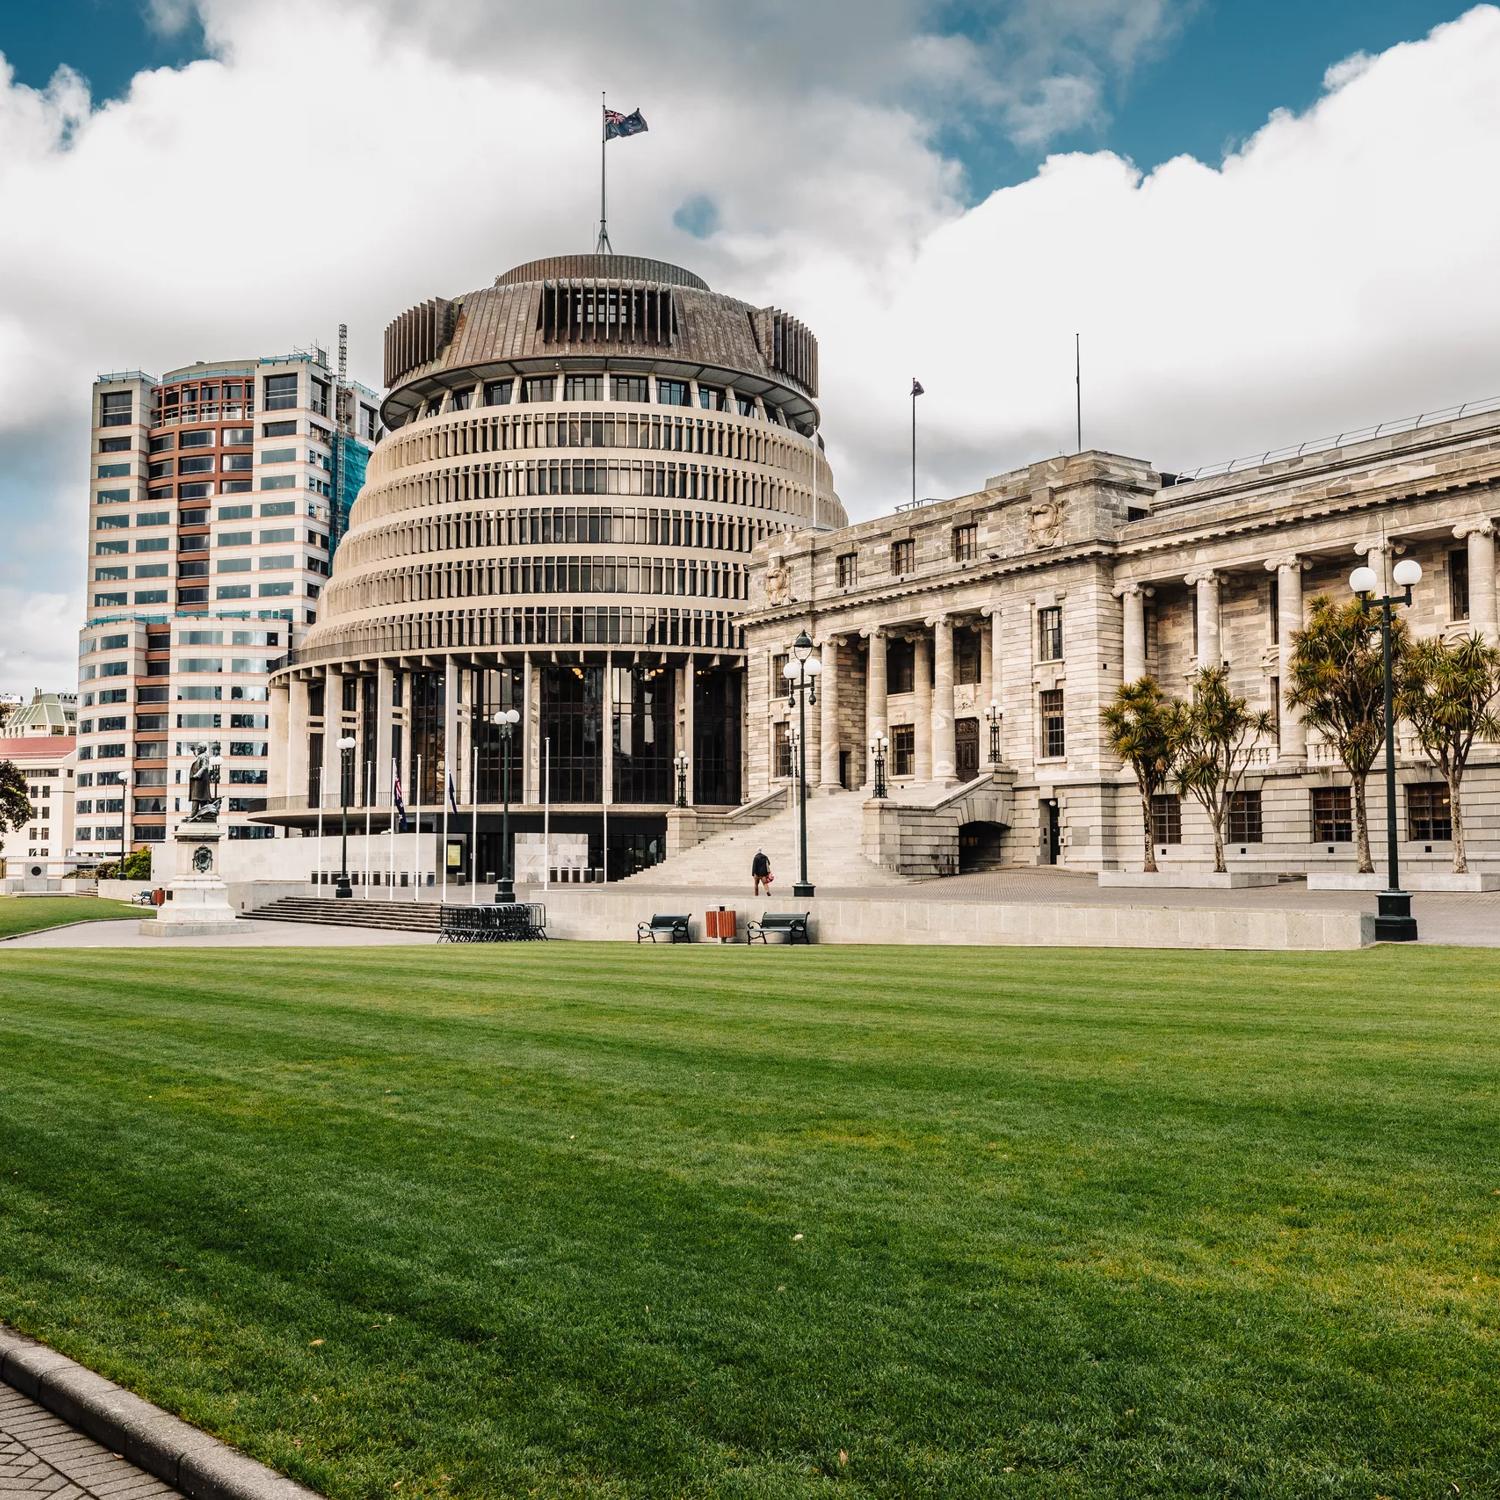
x=203 y=787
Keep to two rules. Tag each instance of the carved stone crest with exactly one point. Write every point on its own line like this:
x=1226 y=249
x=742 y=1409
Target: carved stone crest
x=203 y=859
x=778 y=580
x=1044 y=523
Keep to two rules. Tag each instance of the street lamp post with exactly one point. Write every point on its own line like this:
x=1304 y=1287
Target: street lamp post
x=801 y=673
x=1394 y=922
x=879 y=746
x=505 y=888
x=992 y=718
x=343 y=890
x=680 y=760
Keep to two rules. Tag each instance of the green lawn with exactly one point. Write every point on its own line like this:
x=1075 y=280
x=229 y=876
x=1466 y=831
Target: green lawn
x=20 y=914
x=593 y=1220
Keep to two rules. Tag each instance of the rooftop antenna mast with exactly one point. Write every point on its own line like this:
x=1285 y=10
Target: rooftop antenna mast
x=1078 y=390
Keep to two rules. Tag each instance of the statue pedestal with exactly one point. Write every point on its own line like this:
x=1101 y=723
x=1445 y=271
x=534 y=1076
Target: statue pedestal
x=197 y=899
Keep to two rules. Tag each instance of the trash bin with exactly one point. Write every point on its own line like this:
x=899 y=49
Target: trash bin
x=720 y=924
x=159 y=896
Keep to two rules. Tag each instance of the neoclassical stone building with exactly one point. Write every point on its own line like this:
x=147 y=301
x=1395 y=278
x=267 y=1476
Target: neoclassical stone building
x=577 y=464
x=1026 y=604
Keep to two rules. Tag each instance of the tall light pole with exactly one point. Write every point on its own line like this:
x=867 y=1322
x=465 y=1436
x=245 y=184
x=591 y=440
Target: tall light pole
x=1394 y=922
x=505 y=888
x=801 y=673
x=343 y=890
x=992 y=718
x=680 y=760
x=879 y=749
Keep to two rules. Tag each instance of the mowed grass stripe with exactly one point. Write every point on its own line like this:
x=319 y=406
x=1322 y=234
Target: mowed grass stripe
x=1072 y=1223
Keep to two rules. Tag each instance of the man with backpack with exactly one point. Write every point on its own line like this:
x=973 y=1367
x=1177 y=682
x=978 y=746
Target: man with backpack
x=760 y=872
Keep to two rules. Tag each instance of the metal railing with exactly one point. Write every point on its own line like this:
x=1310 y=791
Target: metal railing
x=1338 y=440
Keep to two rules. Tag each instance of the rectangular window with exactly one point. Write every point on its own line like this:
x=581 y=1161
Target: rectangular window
x=113 y=497
x=278 y=429
x=237 y=437
x=459 y=400
x=110 y=575
x=711 y=398
x=1458 y=584
x=235 y=487
x=278 y=481
x=498 y=392
x=194 y=491
x=278 y=455
x=237 y=461
x=153 y=544
x=274 y=590
x=672 y=392
x=538 y=388
x=203 y=437
x=1054 y=742
x=966 y=644
x=111 y=523
x=583 y=387
x=279 y=534
x=152 y=570
x=903 y=556
x=114 y=445
x=781 y=748
x=113 y=471
x=900 y=667
x=116 y=408
x=1429 y=813
x=847 y=567
x=1244 y=818
x=164 y=443
x=1332 y=815
x=1049 y=636
x=232 y=591
x=279 y=508
x=281 y=392
x=198 y=463
x=234 y=513
x=630 y=388
x=276 y=562
x=903 y=749
x=965 y=543
x=1166 y=818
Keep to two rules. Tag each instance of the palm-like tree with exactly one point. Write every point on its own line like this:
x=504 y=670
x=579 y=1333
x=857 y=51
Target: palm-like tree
x=1212 y=738
x=1338 y=684
x=1445 y=694
x=1138 y=723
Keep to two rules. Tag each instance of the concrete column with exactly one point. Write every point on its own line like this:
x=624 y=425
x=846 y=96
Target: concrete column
x=1374 y=553
x=686 y=678
x=452 y=748
x=279 y=768
x=383 y=712
x=1480 y=536
x=1288 y=570
x=1133 y=662
x=1210 y=654
x=944 y=752
x=922 y=708
x=408 y=755
x=607 y=709
x=986 y=676
x=828 y=711
x=331 y=784
x=296 y=746
x=875 y=703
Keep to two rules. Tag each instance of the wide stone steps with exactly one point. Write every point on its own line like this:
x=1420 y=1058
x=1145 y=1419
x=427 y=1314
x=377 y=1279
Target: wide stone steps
x=399 y=916
x=835 y=830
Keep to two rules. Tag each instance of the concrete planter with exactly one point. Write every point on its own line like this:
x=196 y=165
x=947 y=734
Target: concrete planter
x=1418 y=880
x=1188 y=880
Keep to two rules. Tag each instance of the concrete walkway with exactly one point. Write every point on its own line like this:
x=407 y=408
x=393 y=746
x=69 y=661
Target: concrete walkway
x=41 y=1455
x=252 y=935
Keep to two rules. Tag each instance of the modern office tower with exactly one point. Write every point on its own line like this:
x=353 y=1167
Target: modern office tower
x=214 y=508
x=38 y=737
x=578 y=461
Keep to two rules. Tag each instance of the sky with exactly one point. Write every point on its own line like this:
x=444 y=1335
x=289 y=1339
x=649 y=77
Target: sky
x=1268 y=221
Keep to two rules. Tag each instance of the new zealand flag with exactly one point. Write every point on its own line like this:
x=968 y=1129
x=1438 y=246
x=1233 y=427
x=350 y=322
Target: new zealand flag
x=616 y=124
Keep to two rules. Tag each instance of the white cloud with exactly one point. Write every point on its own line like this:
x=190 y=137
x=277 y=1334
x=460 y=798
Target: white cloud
x=1337 y=268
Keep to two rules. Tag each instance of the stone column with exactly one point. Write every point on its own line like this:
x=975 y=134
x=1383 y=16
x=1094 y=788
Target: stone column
x=278 y=769
x=330 y=786
x=921 y=708
x=1480 y=536
x=1133 y=661
x=296 y=745
x=452 y=748
x=383 y=713
x=1207 y=586
x=814 y=729
x=1288 y=569
x=875 y=704
x=1374 y=553
x=828 y=711
x=986 y=677
x=687 y=678
x=944 y=751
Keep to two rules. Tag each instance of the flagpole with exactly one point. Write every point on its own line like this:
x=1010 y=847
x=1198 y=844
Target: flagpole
x=319 y=880
x=369 y=798
x=603 y=247
x=416 y=843
x=1078 y=390
x=547 y=813
x=914 y=442
x=447 y=796
x=390 y=877
x=474 y=834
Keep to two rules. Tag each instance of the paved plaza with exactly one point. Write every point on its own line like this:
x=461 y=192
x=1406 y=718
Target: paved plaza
x=40 y=1455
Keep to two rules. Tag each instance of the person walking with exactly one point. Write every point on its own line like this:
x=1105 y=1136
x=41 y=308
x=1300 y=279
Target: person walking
x=760 y=872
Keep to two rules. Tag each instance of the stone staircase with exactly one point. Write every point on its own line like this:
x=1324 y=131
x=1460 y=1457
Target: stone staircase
x=398 y=916
x=834 y=859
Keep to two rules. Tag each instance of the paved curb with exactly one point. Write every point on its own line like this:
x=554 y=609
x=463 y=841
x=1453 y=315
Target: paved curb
x=15 y=937
x=200 y=1466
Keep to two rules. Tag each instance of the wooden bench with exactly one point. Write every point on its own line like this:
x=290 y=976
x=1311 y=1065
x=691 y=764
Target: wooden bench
x=516 y=922
x=791 y=924
x=674 y=929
